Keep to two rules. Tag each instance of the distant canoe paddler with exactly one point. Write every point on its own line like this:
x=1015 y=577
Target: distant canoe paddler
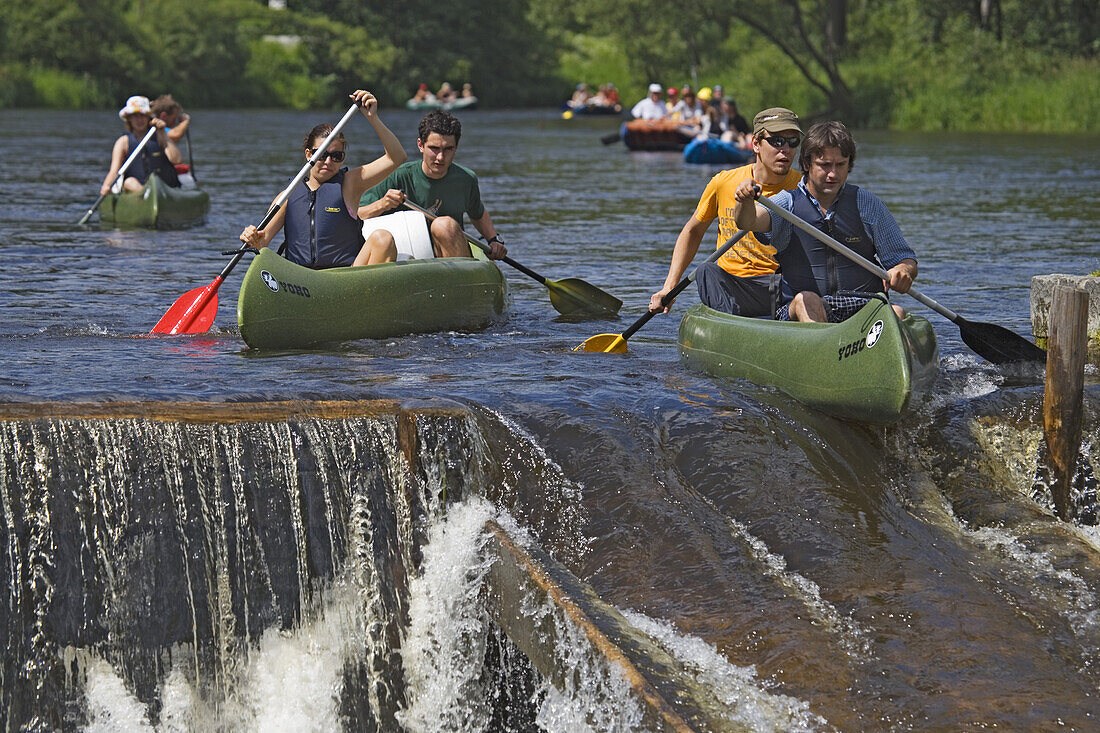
x=157 y=156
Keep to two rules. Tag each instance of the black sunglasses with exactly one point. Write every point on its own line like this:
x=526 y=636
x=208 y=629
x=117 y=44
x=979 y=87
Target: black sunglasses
x=778 y=141
x=336 y=155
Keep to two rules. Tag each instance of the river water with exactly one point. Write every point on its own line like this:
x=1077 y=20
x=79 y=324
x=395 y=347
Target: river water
x=869 y=577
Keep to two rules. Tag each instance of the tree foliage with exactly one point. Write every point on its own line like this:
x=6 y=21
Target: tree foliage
x=866 y=61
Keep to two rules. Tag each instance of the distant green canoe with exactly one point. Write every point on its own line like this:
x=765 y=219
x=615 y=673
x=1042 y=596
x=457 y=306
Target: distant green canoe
x=284 y=305
x=157 y=206
x=867 y=368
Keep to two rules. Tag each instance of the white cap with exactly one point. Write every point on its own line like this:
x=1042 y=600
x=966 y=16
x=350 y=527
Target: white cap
x=135 y=105
x=655 y=87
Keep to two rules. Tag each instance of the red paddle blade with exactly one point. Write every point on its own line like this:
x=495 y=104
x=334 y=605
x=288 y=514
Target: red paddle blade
x=193 y=312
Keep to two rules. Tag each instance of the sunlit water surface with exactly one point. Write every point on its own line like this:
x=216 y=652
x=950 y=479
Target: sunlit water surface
x=841 y=567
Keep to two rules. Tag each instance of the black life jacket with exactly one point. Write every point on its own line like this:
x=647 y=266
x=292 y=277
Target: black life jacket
x=151 y=160
x=319 y=230
x=815 y=266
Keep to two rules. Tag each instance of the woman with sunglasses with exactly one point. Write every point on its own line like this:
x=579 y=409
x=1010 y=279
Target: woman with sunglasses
x=322 y=227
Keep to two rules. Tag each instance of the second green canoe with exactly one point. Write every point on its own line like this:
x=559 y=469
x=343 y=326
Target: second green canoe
x=867 y=368
x=284 y=305
x=157 y=206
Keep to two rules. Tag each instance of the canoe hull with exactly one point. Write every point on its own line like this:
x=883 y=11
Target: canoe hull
x=156 y=206
x=284 y=305
x=715 y=152
x=867 y=368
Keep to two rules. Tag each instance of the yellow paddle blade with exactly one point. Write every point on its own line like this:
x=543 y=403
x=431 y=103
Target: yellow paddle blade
x=607 y=343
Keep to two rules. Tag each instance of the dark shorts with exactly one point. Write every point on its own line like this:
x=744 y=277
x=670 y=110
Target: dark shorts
x=837 y=307
x=741 y=296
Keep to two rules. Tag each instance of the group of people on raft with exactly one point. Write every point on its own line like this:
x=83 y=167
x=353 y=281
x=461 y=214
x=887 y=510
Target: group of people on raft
x=606 y=98
x=775 y=271
x=709 y=113
x=445 y=94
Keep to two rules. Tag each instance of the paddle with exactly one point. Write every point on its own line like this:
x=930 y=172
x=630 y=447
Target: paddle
x=611 y=343
x=611 y=137
x=121 y=171
x=994 y=343
x=194 y=311
x=570 y=296
x=190 y=160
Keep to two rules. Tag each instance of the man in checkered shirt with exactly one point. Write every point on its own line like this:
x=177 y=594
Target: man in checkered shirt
x=828 y=286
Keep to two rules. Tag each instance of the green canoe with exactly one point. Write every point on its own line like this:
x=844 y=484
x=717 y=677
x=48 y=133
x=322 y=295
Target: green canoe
x=158 y=206
x=284 y=305
x=866 y=368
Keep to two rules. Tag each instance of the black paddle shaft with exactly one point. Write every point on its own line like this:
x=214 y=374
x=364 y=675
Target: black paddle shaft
x=668 y=298
x=682 y=285
x=991 y=342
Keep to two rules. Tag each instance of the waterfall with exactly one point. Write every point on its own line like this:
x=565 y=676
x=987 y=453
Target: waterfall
x=200 y=574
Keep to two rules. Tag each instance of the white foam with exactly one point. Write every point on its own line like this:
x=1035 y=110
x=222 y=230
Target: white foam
x=444 y=648
x=110 y=705
x=737 y=688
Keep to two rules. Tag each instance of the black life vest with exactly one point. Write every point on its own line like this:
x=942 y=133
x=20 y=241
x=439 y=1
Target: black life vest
x=320 y=232
x=151 y=160
x=808 y=264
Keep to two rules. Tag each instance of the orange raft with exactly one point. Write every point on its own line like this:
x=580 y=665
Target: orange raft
x=655 y=135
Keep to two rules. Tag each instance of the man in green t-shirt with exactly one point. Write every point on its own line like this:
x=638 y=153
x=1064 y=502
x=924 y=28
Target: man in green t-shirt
x=436 y=183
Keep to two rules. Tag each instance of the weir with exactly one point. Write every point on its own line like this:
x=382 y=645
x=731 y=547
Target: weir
x=235 y=565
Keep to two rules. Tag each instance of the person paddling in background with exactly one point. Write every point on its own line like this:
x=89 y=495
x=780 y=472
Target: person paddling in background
x=734 y=127
x=446 y=93
x=688 y=110
x=155 y=156
x=423 y=95
x=177 y=122
x=827 y=285
x=744 y=280
x=650 y=108
x=322 y=228
x=446 y=189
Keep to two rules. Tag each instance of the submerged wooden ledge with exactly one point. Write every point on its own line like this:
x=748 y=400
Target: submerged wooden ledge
x=668 y=698
x=228 y=412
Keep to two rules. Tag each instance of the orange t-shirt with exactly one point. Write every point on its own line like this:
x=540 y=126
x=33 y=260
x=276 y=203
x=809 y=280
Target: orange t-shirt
x=749 y=257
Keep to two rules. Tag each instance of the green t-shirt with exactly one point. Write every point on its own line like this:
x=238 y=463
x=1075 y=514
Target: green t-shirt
x=452 y=195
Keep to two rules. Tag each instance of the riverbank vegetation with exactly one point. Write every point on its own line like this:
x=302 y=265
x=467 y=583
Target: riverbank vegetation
x=995 y=65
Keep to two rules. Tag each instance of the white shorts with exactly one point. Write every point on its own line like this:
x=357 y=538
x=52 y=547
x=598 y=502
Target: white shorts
x=409 y=230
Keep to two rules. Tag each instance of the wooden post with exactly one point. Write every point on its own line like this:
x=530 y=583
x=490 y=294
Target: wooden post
x=1064 y=393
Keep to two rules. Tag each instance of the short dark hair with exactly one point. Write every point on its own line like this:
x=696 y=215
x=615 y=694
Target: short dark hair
x=438 y=121
x=321 y=131
x=831 y=134
x=165 y=103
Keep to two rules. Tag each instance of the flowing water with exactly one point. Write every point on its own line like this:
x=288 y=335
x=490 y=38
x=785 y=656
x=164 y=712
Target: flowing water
x=293 y=572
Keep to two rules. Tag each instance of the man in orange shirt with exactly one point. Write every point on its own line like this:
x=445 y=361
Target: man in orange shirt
x=744 y=281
